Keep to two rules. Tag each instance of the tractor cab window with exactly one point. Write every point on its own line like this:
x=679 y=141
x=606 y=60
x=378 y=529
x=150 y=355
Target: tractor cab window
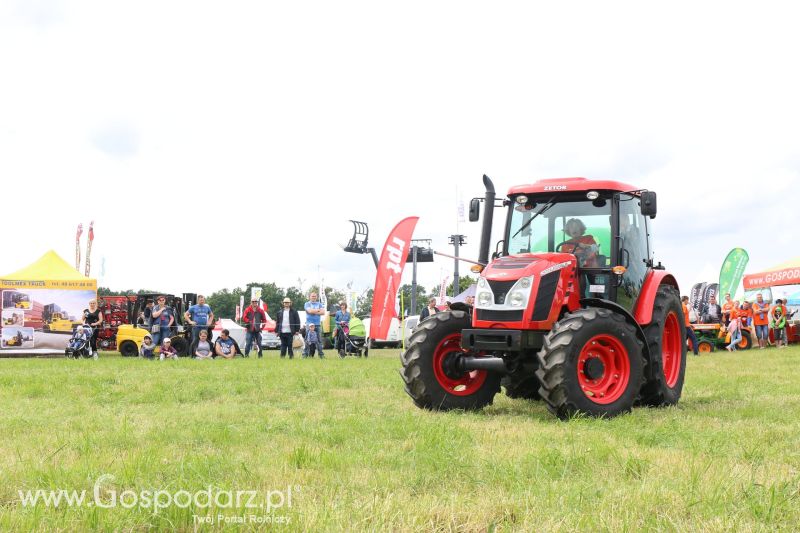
x=566 y=223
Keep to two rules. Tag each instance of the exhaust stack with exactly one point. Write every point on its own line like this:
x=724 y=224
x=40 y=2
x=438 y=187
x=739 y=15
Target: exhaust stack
x=486 y=229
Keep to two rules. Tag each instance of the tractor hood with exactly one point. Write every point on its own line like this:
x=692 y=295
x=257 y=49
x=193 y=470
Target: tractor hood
x=513 y=267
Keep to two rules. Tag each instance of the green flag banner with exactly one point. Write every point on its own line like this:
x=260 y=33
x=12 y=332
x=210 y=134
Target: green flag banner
x=730 y=275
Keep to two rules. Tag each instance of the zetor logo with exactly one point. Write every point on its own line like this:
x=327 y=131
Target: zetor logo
x=555 y=187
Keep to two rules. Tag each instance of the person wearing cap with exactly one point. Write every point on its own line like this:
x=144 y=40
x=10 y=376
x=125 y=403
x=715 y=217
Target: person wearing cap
x=199 y=316
x=148 y=347
x=287 y=323
x=167 y=351
x=314 y=311
x=254 y=317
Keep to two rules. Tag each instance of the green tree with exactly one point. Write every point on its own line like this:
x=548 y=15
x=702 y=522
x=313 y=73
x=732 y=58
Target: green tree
x=405 y=290
x=364 y=306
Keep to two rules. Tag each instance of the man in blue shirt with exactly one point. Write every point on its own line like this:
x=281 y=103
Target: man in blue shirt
x=200 y=316
x=314 y=312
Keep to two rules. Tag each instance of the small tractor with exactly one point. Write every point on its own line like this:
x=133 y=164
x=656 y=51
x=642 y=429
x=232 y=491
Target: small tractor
x=571 y=310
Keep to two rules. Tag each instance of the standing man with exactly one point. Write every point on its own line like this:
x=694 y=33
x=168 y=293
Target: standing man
x=761 y=321
x=253 y=318
x=428 y=311
x=162 y=316
x=200 y=316
x=314 y=312
x=287 y=323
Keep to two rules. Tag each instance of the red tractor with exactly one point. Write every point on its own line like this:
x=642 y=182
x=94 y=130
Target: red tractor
x=571 y=309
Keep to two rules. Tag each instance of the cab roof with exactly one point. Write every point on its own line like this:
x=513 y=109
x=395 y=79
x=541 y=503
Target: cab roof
x=570 y=184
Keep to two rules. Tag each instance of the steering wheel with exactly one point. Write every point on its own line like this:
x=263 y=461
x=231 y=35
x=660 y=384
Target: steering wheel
x=577 y=248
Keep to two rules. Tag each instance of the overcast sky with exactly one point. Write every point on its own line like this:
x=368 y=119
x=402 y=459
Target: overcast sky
x=216 y=143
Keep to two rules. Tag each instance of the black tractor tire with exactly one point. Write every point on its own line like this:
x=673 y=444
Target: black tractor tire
x=128 y=349
x=590 y=353
x=427 y=372
x=666 y=338
x=181 y=345
x=521 y=385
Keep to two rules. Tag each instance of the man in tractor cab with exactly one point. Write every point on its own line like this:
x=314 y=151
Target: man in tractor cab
x=582 y=246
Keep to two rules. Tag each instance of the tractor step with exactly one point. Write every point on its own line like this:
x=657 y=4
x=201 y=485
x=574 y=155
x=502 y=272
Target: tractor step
x=501 y=340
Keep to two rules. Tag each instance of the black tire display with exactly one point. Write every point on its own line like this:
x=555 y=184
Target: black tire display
x=591 y=363
x=429 y=372
x=665 y=336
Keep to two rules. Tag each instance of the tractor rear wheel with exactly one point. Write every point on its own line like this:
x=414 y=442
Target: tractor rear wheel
x=665 y=337
x=522 y=385
x=591 y=363
x=430 y=371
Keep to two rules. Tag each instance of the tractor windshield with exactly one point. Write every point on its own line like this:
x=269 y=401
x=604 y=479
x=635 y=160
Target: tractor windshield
x=568 y=223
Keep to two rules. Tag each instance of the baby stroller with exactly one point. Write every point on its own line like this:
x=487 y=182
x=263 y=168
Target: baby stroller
x=78 y=345
x=344 y=343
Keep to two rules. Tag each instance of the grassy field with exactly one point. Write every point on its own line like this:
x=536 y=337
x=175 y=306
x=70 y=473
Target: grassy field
x=345 y=442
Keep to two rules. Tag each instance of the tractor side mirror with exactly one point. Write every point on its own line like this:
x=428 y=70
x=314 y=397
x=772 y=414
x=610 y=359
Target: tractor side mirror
x=474 y=209
x=648 y=203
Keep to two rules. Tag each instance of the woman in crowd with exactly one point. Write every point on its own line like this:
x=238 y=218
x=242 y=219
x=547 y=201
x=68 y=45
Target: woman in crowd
x=735 y=330
x=93 y=317
x=201 y=348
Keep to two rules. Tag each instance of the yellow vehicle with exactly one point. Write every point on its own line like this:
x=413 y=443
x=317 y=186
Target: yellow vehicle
x=129 y=339
x=16 y=340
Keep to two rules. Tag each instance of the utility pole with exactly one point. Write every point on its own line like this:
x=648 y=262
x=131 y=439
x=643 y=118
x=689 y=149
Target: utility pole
x=418 y=254
x=456 y=240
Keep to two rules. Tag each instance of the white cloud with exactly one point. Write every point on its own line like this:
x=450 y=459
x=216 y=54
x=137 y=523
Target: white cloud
x=237 y=140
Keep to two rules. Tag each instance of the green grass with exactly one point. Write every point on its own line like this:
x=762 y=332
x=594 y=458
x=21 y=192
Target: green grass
x=359 y=456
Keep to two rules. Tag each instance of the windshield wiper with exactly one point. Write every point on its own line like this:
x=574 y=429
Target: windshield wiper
x=544 y=208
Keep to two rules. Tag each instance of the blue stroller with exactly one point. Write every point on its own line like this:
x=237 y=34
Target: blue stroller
x=79 y=345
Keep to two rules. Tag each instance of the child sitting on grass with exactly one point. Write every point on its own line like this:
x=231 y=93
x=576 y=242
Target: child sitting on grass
x=148 y=349
x=167 y=351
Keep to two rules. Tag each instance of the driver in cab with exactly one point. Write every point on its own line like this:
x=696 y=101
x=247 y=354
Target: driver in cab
x=584 y=247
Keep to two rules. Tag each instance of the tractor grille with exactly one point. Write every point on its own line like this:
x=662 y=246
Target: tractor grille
x=544 y=296
x=500 y=289
x=499 y=316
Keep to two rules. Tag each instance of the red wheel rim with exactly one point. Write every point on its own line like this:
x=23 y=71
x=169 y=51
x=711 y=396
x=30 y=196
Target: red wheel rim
x=610 y=384
x=469 y=382
x=671 y=349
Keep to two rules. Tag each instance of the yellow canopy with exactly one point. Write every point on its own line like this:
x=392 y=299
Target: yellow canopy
x=49 y=271
x=51 y=267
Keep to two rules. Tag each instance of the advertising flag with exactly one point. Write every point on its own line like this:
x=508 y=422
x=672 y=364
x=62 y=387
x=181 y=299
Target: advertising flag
x=387 y=280
x=730 y=275
x=78 y=247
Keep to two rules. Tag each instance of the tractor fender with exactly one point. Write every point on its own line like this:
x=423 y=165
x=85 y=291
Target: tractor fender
x=611 y=306
x=643 y=311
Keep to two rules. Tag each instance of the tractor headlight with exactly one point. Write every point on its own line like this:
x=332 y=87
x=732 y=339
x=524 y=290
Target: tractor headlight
x=484 y=299
x=481 y=282
x=516 y=299
x=526 y=282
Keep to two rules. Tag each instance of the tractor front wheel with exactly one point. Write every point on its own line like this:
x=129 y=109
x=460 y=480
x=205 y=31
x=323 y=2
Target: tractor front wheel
x=128 y=349
x=705 y=347
x=591 y=363
x=430 y=368
x=665 y=337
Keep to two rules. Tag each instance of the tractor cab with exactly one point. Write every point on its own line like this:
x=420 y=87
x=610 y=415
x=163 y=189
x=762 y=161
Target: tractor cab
x=600 y=223
x=570 y=310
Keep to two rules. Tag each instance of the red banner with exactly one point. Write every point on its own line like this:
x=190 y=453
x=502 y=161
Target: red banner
x=387 y=281
x=785 y=276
